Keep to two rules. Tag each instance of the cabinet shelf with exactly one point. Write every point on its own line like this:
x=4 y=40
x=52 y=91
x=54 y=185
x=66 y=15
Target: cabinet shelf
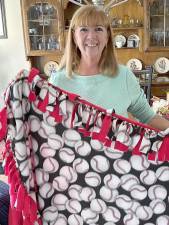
x=40 y=20
x=157 y=15
x=45 y=53
x=126 y=28
x=122 y=48
x=42 y=35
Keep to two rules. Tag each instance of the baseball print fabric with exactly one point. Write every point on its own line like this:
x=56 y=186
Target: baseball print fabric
x=70 y=162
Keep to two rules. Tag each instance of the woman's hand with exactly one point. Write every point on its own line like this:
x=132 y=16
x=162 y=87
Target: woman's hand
x=159 y=122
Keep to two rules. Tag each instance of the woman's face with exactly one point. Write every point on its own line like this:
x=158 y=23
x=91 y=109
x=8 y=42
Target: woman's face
x=91 y=41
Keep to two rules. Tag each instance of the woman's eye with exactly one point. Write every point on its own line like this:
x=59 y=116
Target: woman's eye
x=99 y=28
x=83 y=29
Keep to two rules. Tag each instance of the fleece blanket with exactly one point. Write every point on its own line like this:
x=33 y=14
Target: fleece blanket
x=71 y=162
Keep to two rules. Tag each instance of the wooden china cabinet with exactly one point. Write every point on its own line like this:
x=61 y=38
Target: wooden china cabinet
x=43 y=24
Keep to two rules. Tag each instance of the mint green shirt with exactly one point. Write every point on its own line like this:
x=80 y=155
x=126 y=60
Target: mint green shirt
x=121 y=92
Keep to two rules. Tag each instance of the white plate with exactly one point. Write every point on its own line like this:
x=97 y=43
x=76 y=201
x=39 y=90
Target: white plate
x=120 y=38
x=161 y=65
x=133 y=41
x=133 y=37
x=134 y=64
x=50 y=67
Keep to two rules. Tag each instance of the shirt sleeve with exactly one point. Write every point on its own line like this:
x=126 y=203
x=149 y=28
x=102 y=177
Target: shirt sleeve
x=139 y=106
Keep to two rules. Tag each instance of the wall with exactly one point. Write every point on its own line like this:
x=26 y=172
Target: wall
x=12 y=53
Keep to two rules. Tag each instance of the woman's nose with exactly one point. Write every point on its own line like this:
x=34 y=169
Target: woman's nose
x=92 y=33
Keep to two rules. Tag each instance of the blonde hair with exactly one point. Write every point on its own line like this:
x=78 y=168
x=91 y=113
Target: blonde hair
x=89 y=16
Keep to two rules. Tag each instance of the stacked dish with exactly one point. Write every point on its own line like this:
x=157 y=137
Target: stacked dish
x=161 y=65
x=50 y=67
x=134 y=64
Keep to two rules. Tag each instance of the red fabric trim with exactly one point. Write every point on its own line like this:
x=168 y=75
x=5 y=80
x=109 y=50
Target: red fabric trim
x=55 y=113
x=32 y=96
x=23 y=209
x=15 y=217
x=152 y=156
x=73 y=114
x=21 y=195
x=3 y=123
x=106 y=124
x=137 y=147
x=163 y=153
x=43 y=103
x=84 y=132
x=72 y=96
x=120 y=146
x=32 y=74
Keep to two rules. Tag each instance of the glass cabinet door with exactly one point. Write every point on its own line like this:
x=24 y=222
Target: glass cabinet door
x=157 y=24
x=167 y=23
x=44 y=33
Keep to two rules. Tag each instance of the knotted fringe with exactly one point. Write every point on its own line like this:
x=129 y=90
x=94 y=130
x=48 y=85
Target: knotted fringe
x=104 y=133
x=23 y=209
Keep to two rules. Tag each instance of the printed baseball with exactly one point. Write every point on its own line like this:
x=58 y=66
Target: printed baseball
x=122 y=166
x=59 y=200
x=50 y=165
x=73 y=206
x=60 y=183
x=144 y=212
x=112 y=181
x=128 y=181
x=148 y=177
x=93 y=179
x=158 y=206
x=74 y=191
x=66 y=155
x=75 y=219
x=89 y=216
x=55 y=141
x=108 y=195
x=100 y=163
x=82 y=148
x=139 y=163
x=80 y=165
x=98 y=205
x=112 y=214
x=69 y=173
x=46 y=190
x=70 y=137
x=87 y=194
x=138 y=192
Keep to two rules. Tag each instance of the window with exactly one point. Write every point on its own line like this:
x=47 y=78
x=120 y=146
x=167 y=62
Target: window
x=3 y=31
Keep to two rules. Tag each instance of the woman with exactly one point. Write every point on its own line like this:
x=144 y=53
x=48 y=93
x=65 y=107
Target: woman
x=89 y=68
